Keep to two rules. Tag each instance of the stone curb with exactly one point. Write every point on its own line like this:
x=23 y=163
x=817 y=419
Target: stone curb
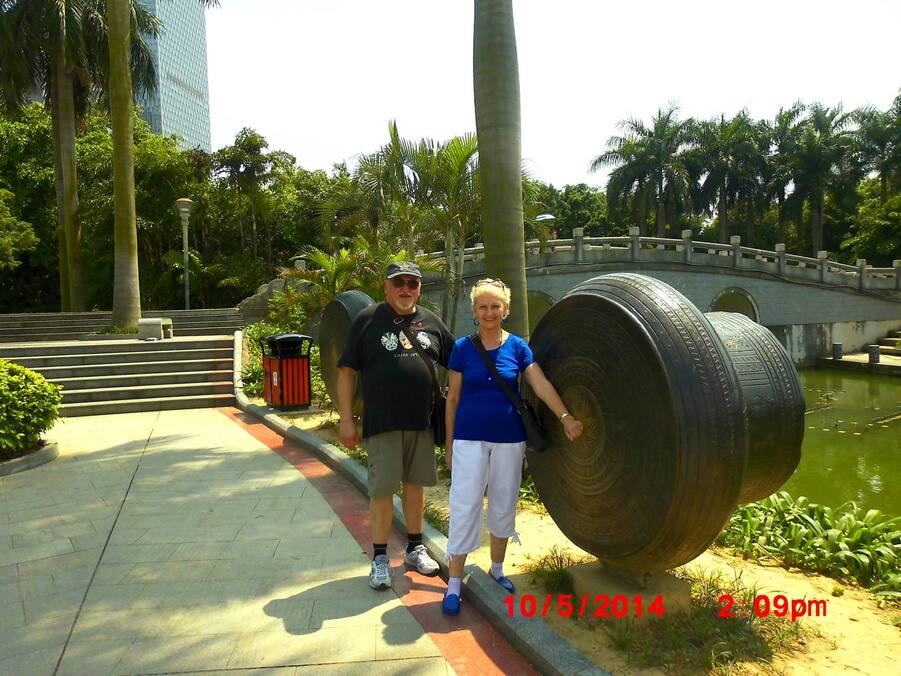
x=30 y=461
x=544 y=648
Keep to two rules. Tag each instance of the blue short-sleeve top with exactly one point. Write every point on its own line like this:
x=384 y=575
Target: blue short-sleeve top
x=484 y=412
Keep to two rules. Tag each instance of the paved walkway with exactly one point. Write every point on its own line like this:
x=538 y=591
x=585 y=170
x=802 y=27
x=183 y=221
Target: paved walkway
x=178 y=541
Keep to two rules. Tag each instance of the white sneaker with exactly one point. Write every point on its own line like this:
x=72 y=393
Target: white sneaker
x=420 y=560
x=380 y=575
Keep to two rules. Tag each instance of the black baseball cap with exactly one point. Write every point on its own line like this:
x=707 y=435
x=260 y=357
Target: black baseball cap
x=403 y=268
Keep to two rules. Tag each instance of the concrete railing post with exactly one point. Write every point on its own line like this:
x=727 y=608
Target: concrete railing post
x=862 y=281
x=780 y=259
x=634 y=242
x=579 y=244
x=823 y=258
x=873 y=354
x=735 y=241
x=897 y=266
x=686 y=246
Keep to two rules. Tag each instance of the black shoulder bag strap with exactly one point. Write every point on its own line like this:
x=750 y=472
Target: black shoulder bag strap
x=511 y=395
x=399 y=321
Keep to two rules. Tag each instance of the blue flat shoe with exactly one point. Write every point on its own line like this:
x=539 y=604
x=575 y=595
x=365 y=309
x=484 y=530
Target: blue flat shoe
x=504 y=582
x=451 y=604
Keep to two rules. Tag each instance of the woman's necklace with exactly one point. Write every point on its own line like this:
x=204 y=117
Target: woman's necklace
x=492 y=342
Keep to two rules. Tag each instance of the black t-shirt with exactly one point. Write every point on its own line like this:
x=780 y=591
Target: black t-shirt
x=397 y=386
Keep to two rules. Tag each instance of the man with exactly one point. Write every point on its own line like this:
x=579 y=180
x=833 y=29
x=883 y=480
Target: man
x=397 y=406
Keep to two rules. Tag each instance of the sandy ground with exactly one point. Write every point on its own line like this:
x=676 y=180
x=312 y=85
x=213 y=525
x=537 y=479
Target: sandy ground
x=855 y=635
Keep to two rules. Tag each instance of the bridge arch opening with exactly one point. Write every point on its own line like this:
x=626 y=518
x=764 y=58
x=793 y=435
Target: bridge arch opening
x=735 y=299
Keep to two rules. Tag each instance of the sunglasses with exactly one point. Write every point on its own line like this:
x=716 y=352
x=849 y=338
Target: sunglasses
x=492 y=282
x=400 y=282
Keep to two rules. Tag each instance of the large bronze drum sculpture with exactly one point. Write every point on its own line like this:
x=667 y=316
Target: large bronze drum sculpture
x=333 y=328
x=685 y=416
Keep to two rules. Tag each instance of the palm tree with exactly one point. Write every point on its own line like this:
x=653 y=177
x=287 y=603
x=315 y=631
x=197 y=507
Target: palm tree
x=822 y=149
x=651 y=163
x=783 y=137
x=724 y=150
x=878 y=139
x=60 y=49
x=497 y=108
x=126 y=288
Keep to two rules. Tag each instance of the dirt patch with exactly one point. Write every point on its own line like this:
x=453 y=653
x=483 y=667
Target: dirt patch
x=854 y=636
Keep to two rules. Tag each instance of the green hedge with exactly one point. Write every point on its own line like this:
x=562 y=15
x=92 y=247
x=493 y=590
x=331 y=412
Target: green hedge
x=29 y=405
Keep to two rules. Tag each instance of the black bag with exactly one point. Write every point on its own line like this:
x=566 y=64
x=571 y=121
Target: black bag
x=536 y=437
x=439 y=400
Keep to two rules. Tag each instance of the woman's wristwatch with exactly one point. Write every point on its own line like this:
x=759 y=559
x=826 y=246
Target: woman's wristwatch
x=563 y=415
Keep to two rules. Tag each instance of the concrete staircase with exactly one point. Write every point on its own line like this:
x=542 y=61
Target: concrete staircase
x=77 y=325
x=891 y=344
x=126 y=376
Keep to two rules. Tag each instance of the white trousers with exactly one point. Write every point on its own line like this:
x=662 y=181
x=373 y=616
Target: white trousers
x=477 y=464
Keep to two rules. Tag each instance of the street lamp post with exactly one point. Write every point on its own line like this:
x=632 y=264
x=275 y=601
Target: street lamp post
x=184 y=210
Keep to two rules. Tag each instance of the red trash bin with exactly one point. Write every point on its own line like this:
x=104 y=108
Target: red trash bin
x=286 y=370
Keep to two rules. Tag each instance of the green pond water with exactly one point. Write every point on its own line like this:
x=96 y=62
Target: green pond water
x=852 y=447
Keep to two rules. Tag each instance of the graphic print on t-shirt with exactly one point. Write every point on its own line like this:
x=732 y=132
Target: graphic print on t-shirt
x=423 y=338
x=389 y=341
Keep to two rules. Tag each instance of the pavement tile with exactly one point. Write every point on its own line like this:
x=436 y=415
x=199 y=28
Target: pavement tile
x=177 y=653
x=269 y=504
x=88 y=541
x=9 y=573
x=169 y=571
x=138 y=553
x=363 y=610
x=73 y=578
x=35 y=552
x=37 y=663
x=105 y=598
x=124 y=536
x=125 y=623
x=292 y=549
x=224 y=533
x=265 y=568
x=13 y=615
x=258 y=549
x=275 y=516
x=112 y=573
x=6 y=542
x=29 y=525
x=59 y=564
x=51 y=533
x=35 y=636
x=425 y=666
x=52 y=605
x=39 y=585
x=340 y=644
x=95 y=657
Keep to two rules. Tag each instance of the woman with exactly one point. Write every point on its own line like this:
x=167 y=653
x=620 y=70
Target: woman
x=486 y=437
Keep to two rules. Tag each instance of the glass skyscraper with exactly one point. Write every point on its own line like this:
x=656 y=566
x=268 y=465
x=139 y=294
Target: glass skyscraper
x=181 y=103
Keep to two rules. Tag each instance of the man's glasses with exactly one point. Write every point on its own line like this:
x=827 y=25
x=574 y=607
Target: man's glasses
x=410 y=282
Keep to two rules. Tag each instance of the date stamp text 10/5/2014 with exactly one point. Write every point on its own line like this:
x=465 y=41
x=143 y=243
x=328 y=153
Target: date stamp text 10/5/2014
x=566 y=605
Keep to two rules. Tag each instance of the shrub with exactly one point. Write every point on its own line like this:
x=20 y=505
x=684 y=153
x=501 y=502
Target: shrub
x=845 y=543
x=28 y=406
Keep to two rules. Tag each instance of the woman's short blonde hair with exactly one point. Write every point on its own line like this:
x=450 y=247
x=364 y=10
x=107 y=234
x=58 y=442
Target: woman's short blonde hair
x=493 y=286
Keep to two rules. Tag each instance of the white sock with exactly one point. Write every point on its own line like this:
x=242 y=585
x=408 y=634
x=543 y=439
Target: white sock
x=497 y=569
x=453 y=585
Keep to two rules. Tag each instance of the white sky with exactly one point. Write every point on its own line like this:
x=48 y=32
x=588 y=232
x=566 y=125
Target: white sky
x=321 y=78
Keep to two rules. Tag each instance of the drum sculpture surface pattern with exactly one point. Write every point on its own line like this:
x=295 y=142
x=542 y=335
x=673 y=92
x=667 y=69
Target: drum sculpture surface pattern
x=774 y=402
x=658 y=472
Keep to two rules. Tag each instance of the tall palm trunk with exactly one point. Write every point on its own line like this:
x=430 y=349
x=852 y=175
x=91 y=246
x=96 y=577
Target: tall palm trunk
x=65 y=106
x=448 y=271
x=497 y=108
x=661 y=210
x=750 y=228
x=458 y=285
x=781 y=199
x=126 y=288
x=816 y=221
x=721 y=214
x=641 y=198
x=64 y=293
x=253 y=217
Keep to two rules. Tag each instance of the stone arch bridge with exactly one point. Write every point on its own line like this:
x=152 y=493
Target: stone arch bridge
x=808 y=303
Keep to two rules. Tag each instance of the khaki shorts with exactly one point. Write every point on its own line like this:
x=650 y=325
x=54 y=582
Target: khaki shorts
x=407 y=456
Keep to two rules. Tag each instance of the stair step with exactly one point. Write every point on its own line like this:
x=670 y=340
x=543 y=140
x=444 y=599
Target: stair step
x=147 y=392
x=142 y=379
x=108 y=347
x=139 y=405
x=133 y=368
x=894 y=351
x=890 y=342
x=124 y=357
